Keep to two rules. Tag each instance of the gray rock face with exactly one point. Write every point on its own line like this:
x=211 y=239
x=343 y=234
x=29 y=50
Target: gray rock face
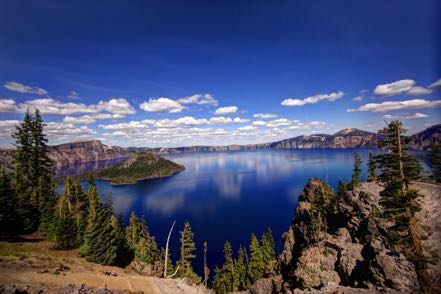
x=352 y=255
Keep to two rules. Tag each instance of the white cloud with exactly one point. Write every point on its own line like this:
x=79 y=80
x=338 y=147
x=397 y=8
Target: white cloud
x=281 y=122
x=264 y=115
x=200 y=99
x=8 y=105
x=124 y=126
x=61 y=129
x=259 y=123
x=227 y=120
x=395 y=88
x=119 y=106
x=312 y=99
x=411 y=116
x=418 y=91
x=88 y=119
x=436 y=84
x=73 y=95
x=161 y=104
x=397 y=105
x=186 y=121
x=247 y=128
x=17 y=87
x=358 y=99
x=226 y=110
x=8 y=123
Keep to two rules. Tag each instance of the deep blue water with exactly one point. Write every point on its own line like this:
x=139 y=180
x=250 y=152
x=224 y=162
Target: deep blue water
x=229 y=195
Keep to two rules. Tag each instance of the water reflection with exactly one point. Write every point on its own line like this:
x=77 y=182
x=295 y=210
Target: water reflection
x=227 y=196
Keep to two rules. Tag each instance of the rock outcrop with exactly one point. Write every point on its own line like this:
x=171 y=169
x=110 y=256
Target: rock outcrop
x=336 y=244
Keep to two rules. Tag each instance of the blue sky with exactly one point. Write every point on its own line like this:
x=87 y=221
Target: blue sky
x=97 y=69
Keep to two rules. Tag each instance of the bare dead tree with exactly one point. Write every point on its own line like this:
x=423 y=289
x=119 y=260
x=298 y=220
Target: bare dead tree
x=166 y=251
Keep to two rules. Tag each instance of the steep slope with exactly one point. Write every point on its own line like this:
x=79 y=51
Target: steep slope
x=423 y=139
x=137 y=167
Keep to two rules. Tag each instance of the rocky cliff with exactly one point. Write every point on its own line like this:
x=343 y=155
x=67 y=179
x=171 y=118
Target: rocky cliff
x=337 y=244
x=423 y=139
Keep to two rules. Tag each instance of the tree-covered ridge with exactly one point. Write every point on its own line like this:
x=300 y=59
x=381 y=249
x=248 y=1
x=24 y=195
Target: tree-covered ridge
x=141 y=166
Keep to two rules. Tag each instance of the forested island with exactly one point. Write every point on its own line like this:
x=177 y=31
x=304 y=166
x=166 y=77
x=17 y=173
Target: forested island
x=378 y=236
x=138 y=167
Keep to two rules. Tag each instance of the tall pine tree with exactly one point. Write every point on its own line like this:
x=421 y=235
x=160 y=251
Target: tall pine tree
x=372 y=167
x=268 y=247
x=356 y=172
x=256 y=267
x=7 y=205
x=188 y=248
x=241 y=277
x=435 y=161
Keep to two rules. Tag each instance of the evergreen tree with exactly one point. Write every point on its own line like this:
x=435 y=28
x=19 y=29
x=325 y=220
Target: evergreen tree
x=228 y=268
x=268 y=246
x=81 y=211
x=133 y=231
x=356 y=172
x=372 y=166
x=206 y=267
x=7 y=205
x=435 y=160
x=241 y=278
x=27 y=211
x=47 y=206
x=188 y=248
x=398 y=169
x=256 y=267
x=218 y=284
x=65 y=226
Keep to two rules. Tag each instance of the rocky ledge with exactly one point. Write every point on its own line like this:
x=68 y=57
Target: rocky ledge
x=338 y=245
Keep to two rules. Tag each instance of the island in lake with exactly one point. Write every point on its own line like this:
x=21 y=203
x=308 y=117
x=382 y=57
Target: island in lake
x=138 y=167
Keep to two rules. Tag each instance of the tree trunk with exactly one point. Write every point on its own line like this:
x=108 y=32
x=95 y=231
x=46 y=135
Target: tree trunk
x=166 y=250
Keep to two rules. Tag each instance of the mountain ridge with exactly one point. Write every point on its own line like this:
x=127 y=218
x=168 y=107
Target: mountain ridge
x=94 y=150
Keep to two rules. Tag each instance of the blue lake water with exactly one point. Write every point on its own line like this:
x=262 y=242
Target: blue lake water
x=229 y=195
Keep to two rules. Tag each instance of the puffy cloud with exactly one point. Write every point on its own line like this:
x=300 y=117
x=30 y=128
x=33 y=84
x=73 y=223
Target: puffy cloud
x=411 y=116
x=201 y=99
x=118 y=106
x=161 y=104
x=62 y=129
x=358 y=99
x=418 y=91
x=226 y=110
x=312 y=99
x=259 y=123
x=281 y=122
x=264 y=115
x=436 y=84
x=8 y=105
x=88 y=119
x=395 y=88
x=247 y=128
x=227 y=120
x=8 y=123
x=397 y=105
x=18 y=87
x=186 y=121
x=124 y=126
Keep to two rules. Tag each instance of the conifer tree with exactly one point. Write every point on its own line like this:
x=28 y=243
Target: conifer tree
x=47 y=206
x=188 y=248
x=268 y=246
x=372 y=166
x=356 y=172
x=228 y=268
x=256 y=267
x=435 y=161
x=65 y=226
x=206 y=267
x=241 y=278
x=133 y=231
x=7 y=204
x=398 y=169
x=81 y=211
x=27 y=212
x=218 y=284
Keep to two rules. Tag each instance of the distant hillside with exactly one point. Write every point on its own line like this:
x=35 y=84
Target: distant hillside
x=87 y=151
x=137 y=167
x=423 y=139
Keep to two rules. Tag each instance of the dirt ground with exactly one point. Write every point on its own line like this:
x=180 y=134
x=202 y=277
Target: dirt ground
x=30 y=264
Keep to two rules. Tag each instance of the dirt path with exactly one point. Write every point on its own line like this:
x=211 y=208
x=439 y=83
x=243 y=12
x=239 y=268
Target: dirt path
x=36 y=266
